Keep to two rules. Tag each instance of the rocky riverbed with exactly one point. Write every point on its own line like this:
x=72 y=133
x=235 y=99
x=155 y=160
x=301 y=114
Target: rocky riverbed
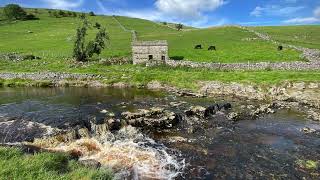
x=153 y=134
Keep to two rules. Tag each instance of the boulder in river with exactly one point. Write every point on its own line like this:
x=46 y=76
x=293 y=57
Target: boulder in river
x=152 y=118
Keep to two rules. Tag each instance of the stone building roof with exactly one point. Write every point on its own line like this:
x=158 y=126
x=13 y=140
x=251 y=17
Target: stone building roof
x=150 y=43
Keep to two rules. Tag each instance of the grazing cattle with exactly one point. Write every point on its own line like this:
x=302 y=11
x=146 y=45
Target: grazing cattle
x=211 y=110
x=212 y=48
x=198 y=46
x=280 y=48
x=227 y=106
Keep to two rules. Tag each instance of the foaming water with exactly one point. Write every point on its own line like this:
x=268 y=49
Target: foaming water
x=130 y=154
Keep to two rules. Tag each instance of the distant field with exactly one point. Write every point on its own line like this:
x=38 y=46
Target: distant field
x=305 y=36
x=230 y=43
x=52 y=38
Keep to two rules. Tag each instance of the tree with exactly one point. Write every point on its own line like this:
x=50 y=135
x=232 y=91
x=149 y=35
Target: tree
x=97 y=25
x=179 y=26
x=14 y=12
x=55 y=14
x=165 y=23
x=82 y=16
x=62 y=13
x=74 y=14
x=30 y=17
x=82 y=52
x=96 y=46
x=91 y=13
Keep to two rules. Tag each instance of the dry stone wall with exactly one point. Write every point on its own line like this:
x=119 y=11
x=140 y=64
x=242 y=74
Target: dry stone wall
x=296 y=66
x=48 y=76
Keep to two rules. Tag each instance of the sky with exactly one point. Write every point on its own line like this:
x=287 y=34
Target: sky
x=197 y=13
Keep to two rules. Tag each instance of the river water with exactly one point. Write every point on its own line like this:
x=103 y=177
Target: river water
x=271 y=146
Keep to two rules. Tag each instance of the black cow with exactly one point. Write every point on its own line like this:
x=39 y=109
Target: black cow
x=198 y=46
x=280 y=48
x=212 y=48
x=211 y=110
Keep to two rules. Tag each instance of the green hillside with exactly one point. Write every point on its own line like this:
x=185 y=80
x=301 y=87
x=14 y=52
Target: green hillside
x=52 y=38
x=305 y=36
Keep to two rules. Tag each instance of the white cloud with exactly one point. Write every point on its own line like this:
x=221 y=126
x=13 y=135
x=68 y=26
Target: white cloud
x=187 y=10
x=317 y=12
x=306 y=20
x=275 y=10
x=179 y=11
x=257 y=11
x=63 y=4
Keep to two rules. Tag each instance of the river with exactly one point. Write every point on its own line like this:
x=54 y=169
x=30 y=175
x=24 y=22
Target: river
x=269 y=146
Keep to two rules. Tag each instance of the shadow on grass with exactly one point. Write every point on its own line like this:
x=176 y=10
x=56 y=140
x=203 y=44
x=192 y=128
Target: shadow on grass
x=177 y=57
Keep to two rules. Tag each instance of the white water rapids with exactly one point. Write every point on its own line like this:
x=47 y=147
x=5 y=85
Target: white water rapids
x=129 y=153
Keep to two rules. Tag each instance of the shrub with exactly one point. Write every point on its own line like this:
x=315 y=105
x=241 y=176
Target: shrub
x=179 y=26
x=14 y=11
x=82 y=52
x=62 y=13
x=74 y=14
x=30 y=17
x=164 y=23
x=97 y=25
x=82 y=16
x=91 y=13
x=69 y=14
x=55 y=14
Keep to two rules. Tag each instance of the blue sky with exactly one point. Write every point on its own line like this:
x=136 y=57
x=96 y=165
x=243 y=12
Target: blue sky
x=199 y=13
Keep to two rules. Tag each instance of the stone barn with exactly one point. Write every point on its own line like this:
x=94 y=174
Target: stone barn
x=149 y=52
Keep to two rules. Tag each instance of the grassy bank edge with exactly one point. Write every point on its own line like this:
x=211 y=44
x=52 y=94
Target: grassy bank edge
x=15 y=164
x=180 y=77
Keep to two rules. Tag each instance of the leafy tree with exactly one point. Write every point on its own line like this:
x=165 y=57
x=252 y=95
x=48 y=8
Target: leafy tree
x=30 y=17
x=74 y=14
x=69 y=13
x=179 y=26
x=91 y=13
x=82 y=52
x=55 y=14
x=14 y=11
x=97 y=25
x=62 y=13
x=82 y=16
x=165 y=23
x=96 y=46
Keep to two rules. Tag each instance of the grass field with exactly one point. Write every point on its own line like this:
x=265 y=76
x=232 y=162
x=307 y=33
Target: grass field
x=17 y=165
x=52 y=38
x=305 y=36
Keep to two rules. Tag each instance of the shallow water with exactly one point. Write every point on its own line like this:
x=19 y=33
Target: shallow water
x=268 y=147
